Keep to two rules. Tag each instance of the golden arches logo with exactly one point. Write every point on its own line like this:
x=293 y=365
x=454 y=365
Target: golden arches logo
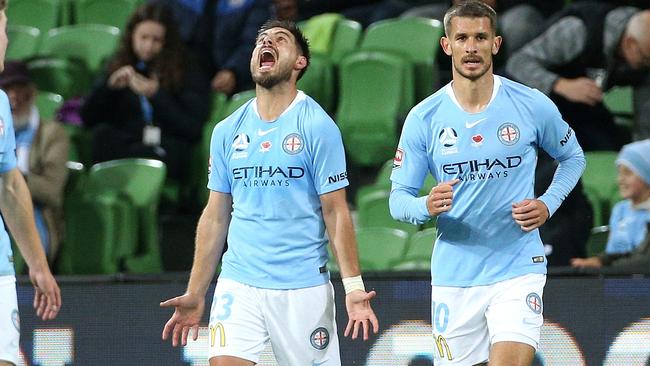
x=443 y=347
x=213 y=335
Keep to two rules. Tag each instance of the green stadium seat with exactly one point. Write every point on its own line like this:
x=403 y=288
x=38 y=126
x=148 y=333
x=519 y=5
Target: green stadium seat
x=420 y=245
x=379 y=247
x=48 y=103
x=347 y=35
x=42 y=14
x=61 y=76
x=113 y=12
x=422 y=264
x=238 y=100
x=113 y=224
x=597 y=240
x=24 y=41
x=619 y=101
x=92 y=44
x=373 y=211
x=370 y=107
x=202 y=152
x=417 y=39
x=600 y=181
x=318 y=81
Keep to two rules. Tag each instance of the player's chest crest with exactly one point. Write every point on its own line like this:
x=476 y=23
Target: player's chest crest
x=266 y=143
x=479 y=136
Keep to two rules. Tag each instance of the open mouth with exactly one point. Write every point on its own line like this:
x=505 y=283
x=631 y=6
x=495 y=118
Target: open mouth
x=267 y=59
x=474 y=61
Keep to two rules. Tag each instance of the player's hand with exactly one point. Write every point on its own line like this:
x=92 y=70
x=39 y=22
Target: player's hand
x=579 y=90
x=224 y=81
x=591 y=262
x=441 y=197
x=530 y=214
x=47 y=295
x=360 y=314
x=188 y=310
x=120 y=78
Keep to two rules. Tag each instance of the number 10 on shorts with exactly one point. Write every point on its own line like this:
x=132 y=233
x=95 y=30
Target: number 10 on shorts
x=440 y=320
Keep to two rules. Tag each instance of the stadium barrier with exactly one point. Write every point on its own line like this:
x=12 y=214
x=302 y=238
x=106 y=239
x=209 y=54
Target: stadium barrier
x=116 y=320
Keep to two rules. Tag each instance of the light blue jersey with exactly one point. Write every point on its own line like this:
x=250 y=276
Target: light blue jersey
x=275 y=173
x=7 y=163
x=494 y=154
x=627 y=227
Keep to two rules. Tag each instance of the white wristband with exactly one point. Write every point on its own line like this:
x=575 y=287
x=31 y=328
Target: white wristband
x=353 y=283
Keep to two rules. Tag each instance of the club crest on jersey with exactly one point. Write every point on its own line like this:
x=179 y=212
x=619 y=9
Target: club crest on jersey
x=448 y=138
x=265 y=146
x=477 y=140
x=292 y=144
x=2 y=127
x=534 y=302
x=508 y=133
x=320 y=338
x=398 y=159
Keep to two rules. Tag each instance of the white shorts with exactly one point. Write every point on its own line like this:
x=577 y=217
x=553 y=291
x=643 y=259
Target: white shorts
x=299 y=323
x=9 y=320
x=466 y=321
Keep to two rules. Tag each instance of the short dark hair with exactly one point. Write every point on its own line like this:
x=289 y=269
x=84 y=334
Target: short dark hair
x=301 y=40
x=470 y=9
x=3 y=5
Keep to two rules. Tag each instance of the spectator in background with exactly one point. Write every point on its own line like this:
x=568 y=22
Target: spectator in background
x=631 y=216
x=590 y=48
x=152 y=102
x=42 y=151
x=221 y=33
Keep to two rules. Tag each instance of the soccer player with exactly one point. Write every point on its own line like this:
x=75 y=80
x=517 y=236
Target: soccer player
x=277 y=181
x=478 y=136
x=18 y=216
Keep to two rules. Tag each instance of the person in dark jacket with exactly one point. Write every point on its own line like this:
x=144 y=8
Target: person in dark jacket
x=152 y=102
x=221 y=33
x=590 y=47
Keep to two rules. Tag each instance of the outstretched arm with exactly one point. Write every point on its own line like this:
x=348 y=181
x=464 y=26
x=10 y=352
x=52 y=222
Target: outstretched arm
x=17 y=211
x=211 y=234
x=341 y=233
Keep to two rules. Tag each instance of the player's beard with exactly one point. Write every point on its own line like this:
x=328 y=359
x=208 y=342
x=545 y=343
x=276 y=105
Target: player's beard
x=270 y=80
x=473 y=76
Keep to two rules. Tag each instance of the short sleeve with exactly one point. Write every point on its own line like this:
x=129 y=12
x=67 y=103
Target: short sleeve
x=327 y=157
x=217 y=167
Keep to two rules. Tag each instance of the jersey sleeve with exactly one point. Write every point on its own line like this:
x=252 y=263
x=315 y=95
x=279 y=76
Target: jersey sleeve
x=217 y=166
x=559 y=141
x=7 y=136
x=327 y=156
x=613 y=241
x=410 y=165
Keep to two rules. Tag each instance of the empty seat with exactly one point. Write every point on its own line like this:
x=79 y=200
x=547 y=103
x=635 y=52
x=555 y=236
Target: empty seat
x=42 y=14
x=370 y=108
x=380 y=246
x=113 y=12
x=24 y=41
x=415 y=38
x=91 y=44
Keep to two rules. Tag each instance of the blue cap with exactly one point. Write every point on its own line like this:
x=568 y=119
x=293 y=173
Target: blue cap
x=636 y=156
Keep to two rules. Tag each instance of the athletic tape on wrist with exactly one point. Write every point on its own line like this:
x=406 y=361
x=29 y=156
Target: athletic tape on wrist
x=353 y=283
